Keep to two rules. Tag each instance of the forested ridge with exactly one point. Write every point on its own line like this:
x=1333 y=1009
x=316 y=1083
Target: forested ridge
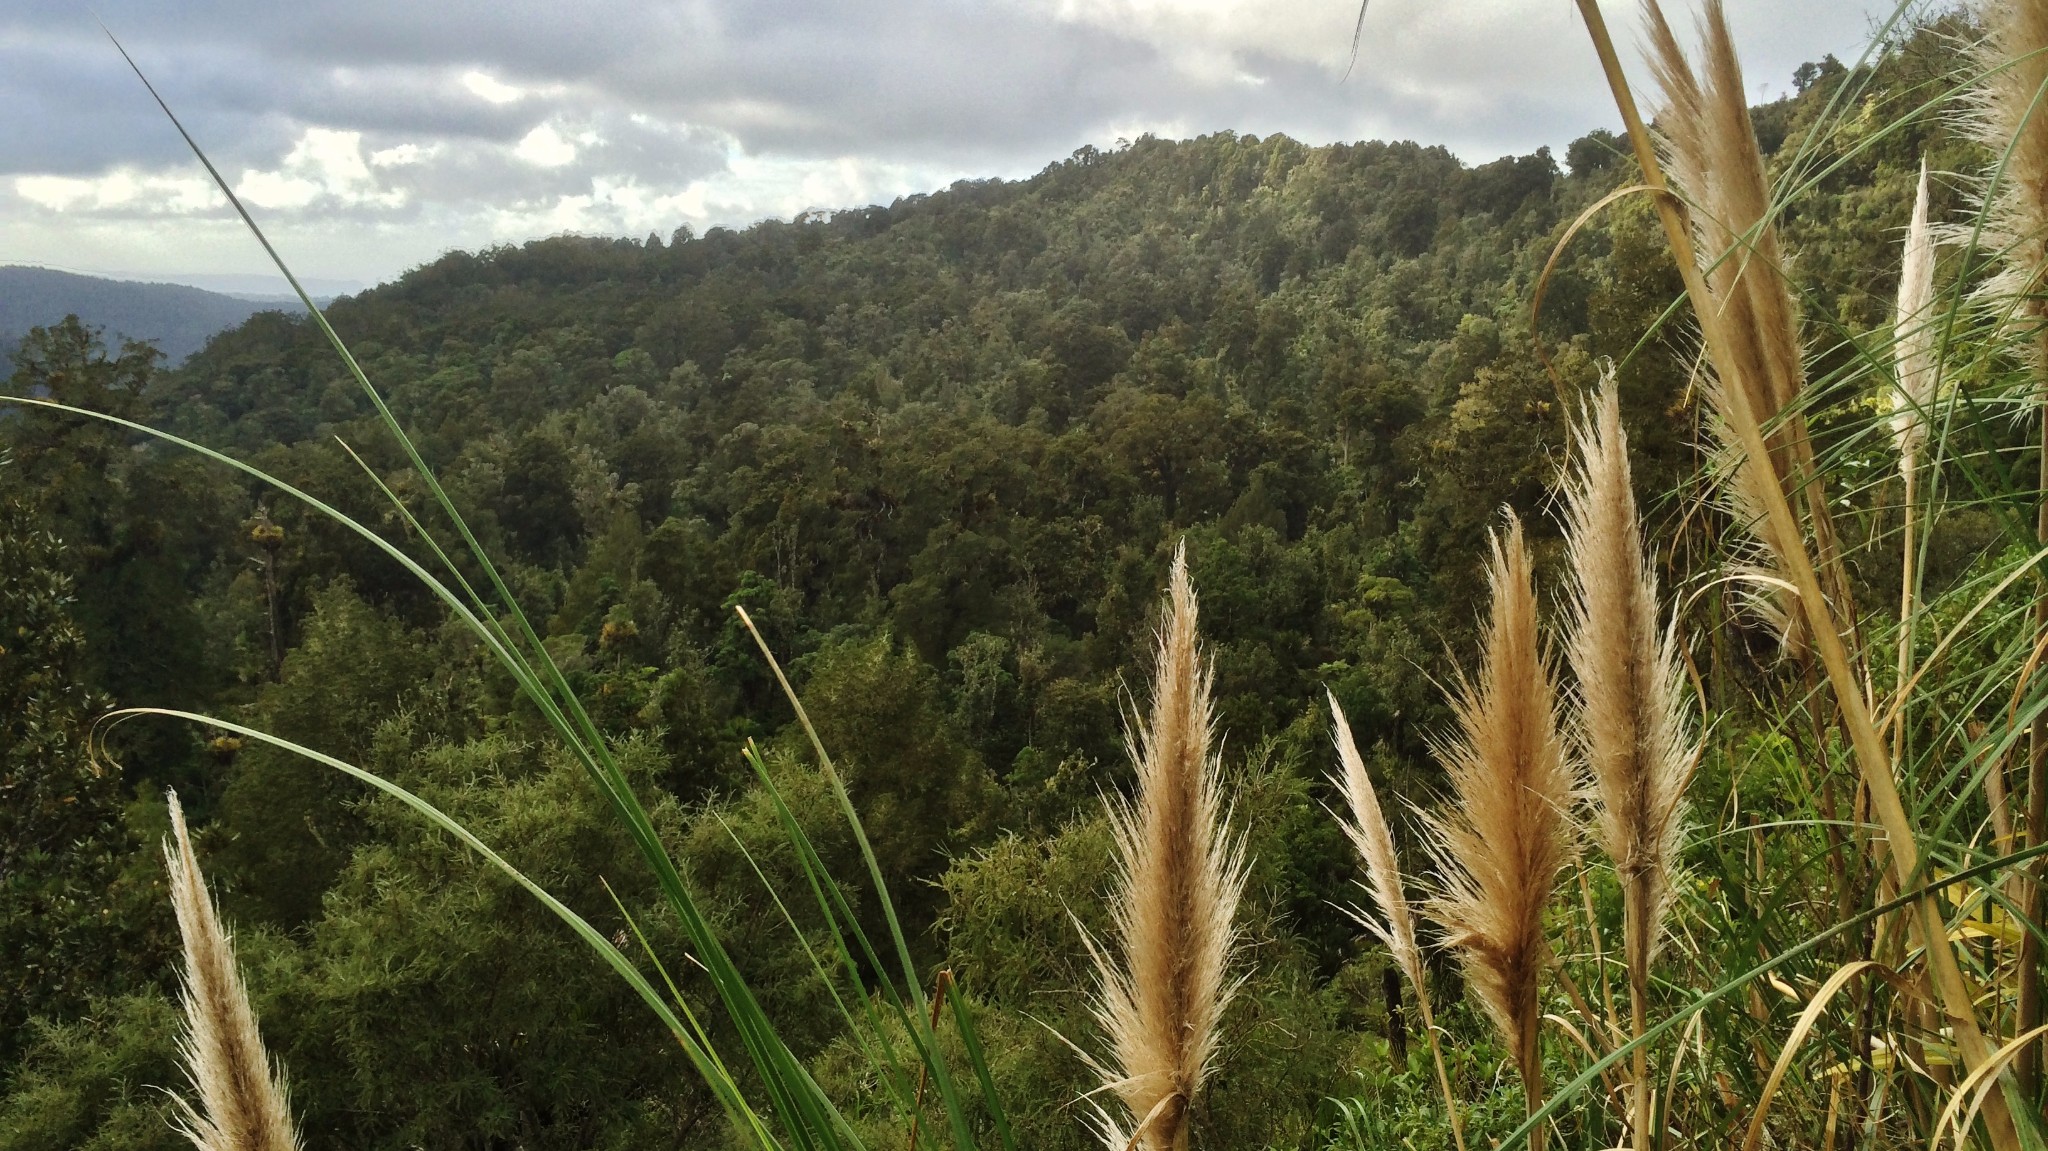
x=178 y=319
x=942 y=452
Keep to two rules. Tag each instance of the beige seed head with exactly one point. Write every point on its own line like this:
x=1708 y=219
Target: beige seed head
x=2003 y=115
x=1367 y=830
x=1501 y=845
x=1179 y=882
x=1711 y=155
x=242 y=1101
x=1913 y=333
x=1632 y=728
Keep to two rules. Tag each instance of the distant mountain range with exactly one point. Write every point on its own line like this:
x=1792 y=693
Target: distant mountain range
x=177 y=318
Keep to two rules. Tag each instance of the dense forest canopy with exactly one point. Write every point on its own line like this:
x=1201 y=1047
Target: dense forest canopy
x=942 y=452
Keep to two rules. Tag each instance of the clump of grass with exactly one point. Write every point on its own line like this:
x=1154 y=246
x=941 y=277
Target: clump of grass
x=243 y=1104
x=1712 y=150
x=1631 y=725
x=1175 y=904
x=1500 y=847
x=2006 y=117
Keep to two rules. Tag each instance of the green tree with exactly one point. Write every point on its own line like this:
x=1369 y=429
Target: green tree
x=65 y=928
x=135 y=525
x=289 y=826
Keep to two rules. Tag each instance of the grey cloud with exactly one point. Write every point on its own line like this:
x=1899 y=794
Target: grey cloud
x=396 y=101
x=68 y=108
x=471 y=173
x=952 y=87
x=899 y=78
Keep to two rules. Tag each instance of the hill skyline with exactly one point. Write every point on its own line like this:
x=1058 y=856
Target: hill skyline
x=178 y=318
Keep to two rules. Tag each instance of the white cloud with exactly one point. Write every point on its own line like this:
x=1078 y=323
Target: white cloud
x=545 y=148
x=490 y=89
x=754 y=187
x=1462 y=63
x=1206 y=38
x=745 y=189
x=402 y=155
x=325 y=168
x=323 y=164
x=122 y=190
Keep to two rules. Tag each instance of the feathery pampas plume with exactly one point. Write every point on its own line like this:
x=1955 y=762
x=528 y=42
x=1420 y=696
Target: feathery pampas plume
x=242 y=1101
x=1179 y=881
x=1631 y=728
x=1501 y=846
x=1913 y=352
x=1710 y=150
x=1367 y=830
x=2004 y=117
x=1913 y=335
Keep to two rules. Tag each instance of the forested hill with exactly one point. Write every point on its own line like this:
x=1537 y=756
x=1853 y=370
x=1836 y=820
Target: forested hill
x=176 y=318
x=943 y=451
x=977 y=421
x=985 y=414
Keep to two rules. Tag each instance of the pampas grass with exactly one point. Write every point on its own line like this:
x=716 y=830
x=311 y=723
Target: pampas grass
x=1501 y=846
x=1176 y=901
x=1367 y=830
x=1711 y=154
x=2005 y=118
x=1631 y=726
x=1710 y=151
x=1913 y=336
x=242 y=1101
x=1913 y=356
x=1709 y=143
x=2009 y=120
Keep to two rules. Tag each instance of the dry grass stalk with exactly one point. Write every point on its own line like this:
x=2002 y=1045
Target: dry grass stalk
x=1913 y=354
x=1631 y=728
x=242 y=1099
x=1180 y=880
x=1500 y=848
x=1711 y=153
x=2009 y=120
x=1368 y=832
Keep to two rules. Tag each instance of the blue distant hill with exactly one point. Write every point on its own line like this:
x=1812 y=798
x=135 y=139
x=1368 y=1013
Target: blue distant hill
x=177 y=318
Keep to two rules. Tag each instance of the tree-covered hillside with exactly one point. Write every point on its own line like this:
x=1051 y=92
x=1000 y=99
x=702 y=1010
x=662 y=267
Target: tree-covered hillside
x=942 y=452
x=175 y=318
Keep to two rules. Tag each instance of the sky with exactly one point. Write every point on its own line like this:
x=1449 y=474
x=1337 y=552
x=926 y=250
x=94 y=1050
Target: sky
x=370 y=136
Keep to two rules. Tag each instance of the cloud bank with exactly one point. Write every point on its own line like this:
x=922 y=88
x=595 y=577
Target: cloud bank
x=374 y=135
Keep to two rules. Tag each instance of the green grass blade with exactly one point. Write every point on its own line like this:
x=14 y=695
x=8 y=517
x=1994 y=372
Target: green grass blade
x=700 y=1056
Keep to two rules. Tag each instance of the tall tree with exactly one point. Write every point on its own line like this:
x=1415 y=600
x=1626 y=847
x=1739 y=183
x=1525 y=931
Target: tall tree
x=61 y=833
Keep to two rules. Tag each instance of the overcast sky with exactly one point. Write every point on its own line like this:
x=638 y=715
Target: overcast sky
x=372 y=135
